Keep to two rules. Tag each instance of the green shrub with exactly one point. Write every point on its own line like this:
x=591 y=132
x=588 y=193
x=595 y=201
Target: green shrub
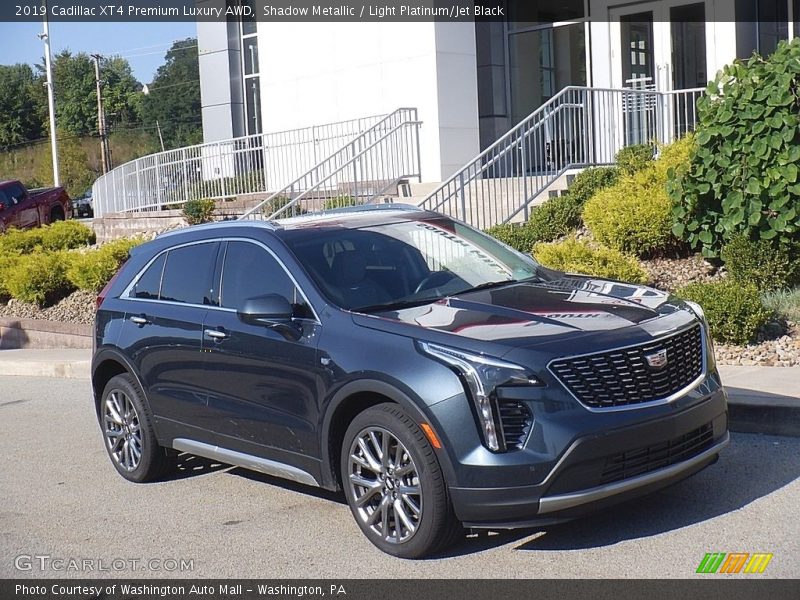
x=576 y=256
x=21 y=241
x=785 y=303
x=635 y=214
x=633 y=159
x=92 y=270
x=199 y=211
x=65 y=235
x=39 y=278
x=590 y=181
x=277 y=203
x=555 y=218
x=7 y=262
x=518 y=236
x=744 y=176
x=339 y=202
x=734 y=311
x=765 y=264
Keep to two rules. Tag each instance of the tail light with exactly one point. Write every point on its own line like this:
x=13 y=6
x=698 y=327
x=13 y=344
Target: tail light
x=102 y=296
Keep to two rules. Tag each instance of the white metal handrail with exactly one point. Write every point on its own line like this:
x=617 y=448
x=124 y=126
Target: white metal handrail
x=366 y=168
x=256 y=164
x=579 y=127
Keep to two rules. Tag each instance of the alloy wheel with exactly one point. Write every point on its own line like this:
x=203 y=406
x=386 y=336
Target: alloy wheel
x=385 y=485
x=122 y=429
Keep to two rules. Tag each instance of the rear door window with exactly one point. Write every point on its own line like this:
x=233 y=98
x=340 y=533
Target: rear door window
x=188 y=274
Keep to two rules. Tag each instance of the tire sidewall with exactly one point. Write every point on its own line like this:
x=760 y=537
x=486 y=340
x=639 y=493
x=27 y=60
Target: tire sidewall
x=434 y=511
x=150 y=447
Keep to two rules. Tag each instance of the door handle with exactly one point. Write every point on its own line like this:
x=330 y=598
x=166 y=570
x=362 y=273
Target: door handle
x=139 y=320
x=216 y=334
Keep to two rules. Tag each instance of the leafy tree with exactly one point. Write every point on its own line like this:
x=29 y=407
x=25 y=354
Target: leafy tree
x=76 y=96
x=174 y=98
x=20 y=121
x=76 y=174
x=122 y=95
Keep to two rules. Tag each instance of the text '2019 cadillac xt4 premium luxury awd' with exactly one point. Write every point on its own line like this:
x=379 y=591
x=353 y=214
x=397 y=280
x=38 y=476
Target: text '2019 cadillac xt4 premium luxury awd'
x=439 y=378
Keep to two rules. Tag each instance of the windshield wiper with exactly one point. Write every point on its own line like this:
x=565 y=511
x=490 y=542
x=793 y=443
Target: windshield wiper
x=396 y=305
x=486 y=286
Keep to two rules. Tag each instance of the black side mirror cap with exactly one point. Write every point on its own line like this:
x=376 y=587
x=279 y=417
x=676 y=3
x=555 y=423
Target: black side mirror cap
x=271 y=308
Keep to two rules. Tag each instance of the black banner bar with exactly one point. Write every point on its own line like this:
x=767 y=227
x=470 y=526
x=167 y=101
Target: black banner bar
x=742 y=587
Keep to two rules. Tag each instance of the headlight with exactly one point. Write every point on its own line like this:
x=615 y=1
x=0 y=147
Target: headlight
x=701 y=314
x=482 y=374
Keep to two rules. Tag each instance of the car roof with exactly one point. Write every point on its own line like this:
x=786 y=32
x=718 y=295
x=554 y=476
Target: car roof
x=353 y=217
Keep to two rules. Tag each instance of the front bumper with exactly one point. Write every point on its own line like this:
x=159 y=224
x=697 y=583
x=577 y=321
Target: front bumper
x=605 y=467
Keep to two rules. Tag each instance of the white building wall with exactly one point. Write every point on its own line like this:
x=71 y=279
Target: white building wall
x=322 y=72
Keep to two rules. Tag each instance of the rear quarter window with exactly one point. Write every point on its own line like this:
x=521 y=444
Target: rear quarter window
x=148 y=286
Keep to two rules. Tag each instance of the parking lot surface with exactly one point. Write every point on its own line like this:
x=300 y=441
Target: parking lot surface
x=60 y=498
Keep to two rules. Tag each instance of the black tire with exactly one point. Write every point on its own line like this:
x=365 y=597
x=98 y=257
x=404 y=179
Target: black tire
x=437 y=526
x=153 y=460
x=57 y=214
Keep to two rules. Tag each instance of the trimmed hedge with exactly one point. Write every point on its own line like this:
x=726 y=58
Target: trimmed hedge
x=579 y=256
x=734 y=311
x=518 y=237
x=64 y=235
x=635 y=214
x=39 y=278
x=763 y=263
x=590 y=181
x=633 y=159
x=93 y=270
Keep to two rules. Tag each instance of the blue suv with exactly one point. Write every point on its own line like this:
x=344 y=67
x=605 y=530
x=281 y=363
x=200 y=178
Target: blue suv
x=437 y=377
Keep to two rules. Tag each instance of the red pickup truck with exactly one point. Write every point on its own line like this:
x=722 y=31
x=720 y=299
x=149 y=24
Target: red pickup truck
x=24 y=208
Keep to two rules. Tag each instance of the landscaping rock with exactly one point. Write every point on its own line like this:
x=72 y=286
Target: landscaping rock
x=670 y=274
x=78 y=307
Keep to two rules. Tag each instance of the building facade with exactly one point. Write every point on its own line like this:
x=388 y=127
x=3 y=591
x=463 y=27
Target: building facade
x=470 y=81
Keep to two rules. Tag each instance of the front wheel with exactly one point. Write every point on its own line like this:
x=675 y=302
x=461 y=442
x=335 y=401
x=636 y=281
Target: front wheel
x=394 y=484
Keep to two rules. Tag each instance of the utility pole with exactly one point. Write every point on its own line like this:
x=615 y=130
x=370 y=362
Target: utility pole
x=51 y=103
x=146 y=92
x=105 y=153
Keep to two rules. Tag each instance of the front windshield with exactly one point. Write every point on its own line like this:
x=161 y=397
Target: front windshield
x=404 y=263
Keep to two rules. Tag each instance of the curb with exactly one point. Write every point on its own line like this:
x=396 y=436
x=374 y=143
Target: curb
x=44 y=364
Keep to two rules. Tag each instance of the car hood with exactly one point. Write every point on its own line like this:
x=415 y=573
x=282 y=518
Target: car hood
x=524 y=314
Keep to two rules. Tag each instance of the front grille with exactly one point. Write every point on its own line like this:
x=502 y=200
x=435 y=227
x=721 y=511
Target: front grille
x=623 y=377
x=650 y=458
x=516 y=421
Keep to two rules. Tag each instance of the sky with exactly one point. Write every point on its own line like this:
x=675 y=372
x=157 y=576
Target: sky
x=143 y=44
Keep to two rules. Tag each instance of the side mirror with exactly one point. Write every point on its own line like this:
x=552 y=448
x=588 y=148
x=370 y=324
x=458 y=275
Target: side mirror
x=272 y=308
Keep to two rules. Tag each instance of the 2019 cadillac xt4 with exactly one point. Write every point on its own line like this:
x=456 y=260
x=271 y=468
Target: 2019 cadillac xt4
x=436 y=376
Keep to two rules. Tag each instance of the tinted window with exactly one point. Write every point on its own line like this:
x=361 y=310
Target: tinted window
x=249 y=272
x=188 y=273
x=4 y=202
x=15 y=192
x=149 y=283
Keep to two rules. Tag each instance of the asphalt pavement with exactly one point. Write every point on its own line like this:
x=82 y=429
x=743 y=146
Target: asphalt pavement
x=60 y=498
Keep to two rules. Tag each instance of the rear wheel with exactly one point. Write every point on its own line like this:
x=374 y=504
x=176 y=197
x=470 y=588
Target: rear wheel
x=128 y=432
x=394 y=484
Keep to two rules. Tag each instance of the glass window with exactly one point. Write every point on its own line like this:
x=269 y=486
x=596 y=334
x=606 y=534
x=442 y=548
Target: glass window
x=409 y=262
x=541 y=63
x=149 y=284
x=15 y=192
x=531 y=14
x=773 y=26
x=188 y=273
x=252 y=90
x=249 y=22
x=4 y=202
x=250 y=49
x=249 y=272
